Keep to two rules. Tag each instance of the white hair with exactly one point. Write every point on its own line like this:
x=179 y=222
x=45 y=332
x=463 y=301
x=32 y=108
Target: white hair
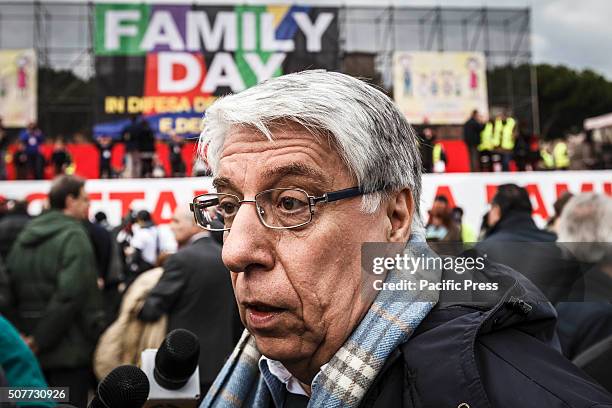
x=587 y=219
x=372 y=136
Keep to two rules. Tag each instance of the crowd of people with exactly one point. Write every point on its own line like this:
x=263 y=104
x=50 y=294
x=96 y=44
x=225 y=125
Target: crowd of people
x=501 y=143
x=65 y=280
x=492 y=145
x=580 y=286
x=122 y=288
x=141 y=158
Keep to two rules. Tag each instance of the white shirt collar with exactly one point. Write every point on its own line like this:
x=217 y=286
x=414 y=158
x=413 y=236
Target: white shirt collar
x=197 y=236
x=278 y=370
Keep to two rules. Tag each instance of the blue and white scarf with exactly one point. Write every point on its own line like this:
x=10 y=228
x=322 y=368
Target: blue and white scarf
x=344 y=381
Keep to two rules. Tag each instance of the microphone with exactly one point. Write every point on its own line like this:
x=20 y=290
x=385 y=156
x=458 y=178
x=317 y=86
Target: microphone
x=124 y=387
x=177 y=359
x=172 y=371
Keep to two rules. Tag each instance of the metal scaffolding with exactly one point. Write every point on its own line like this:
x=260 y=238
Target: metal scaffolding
x=501 y=34
x=62 y=35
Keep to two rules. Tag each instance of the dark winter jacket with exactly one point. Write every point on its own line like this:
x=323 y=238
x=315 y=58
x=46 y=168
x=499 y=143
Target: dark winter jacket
x=10 y=227
x=518 y=226
x=517 y=242
x=584 y=323
x=499 y=351
x=54 y=295
x=196 y=292
x=471 y=132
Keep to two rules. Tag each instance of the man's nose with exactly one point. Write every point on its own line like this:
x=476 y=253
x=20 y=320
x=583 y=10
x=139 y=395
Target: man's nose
x=248 y=246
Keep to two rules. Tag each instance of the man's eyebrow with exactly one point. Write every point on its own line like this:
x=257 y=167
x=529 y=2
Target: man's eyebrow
x=223 y=182
x=276 y=173
x=293 y=169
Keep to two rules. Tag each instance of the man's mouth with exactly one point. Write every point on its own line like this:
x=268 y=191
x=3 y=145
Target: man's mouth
x=261 y=315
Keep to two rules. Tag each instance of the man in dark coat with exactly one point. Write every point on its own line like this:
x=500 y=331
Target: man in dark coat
x=316 y=175
x=471 y=137
x=196 y=293
x=426 y=144
x=146 y=148
x=11 y=225
x=514 y=240
x=498 y=347
x=510 y=217
x=55 y=301
x=32 y=138
x=130 y=135
x=175 y=155
x=105 y=147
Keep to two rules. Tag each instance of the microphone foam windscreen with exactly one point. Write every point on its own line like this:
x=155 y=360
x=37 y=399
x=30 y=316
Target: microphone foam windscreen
x=177 y=359
x=125 y=387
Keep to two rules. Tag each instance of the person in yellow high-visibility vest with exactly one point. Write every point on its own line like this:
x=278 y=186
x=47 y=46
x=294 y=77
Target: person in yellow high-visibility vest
x=504 y=132
x=486 y=145
x=497 y=131
x=561 y=156
x=486 y=137
x=438 y=158
x=508 y=134
x=547 y=158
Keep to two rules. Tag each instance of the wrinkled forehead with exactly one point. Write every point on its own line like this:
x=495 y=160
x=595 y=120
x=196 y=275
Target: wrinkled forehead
x=291 y=150
x=278 y=130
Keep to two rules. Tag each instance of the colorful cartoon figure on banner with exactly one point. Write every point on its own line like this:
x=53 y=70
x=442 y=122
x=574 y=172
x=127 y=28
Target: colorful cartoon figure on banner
x=22 y=74
x=446 y=86
x=406 y=62
x=424 y=85
x=434 y=84
x=473 y=66
x=458 y=85
x=447 y=82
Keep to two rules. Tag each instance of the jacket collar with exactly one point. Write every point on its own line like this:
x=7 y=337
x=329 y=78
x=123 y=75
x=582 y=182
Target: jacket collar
x=198 y=236
x=519 y=304
x=514 y=220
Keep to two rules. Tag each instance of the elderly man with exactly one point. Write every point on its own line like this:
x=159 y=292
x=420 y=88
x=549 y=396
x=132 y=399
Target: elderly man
x=585 y=228
x=308 y=167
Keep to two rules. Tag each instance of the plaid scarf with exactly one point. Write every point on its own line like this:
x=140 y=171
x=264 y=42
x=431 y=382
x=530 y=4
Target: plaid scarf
x=343 y=382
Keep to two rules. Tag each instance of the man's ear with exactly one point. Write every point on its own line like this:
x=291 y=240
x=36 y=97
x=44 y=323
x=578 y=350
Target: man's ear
x=400 y=210
x=494 y=215
x=69 y=201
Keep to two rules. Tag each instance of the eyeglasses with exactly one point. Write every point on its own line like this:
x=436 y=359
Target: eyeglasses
x=277 y=208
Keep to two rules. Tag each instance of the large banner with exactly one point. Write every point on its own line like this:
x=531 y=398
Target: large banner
x=472 y=192
x=440 y=87
x=18 y=76
x=172 y=61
